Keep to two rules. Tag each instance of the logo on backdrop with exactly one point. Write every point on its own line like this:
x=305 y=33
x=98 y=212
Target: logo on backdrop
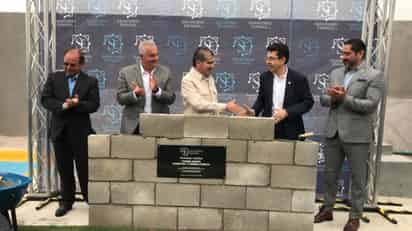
x=211 y=42
x=82 y=42
x=243 y=45
x=337 y=45
x=321 y=81
x=261 y=8
x=275 y=39
x=254 y=81
x=100 y=75
x=113 y=44
x=193 y=8
x=111 y=116
x=310 y=47
x=130 y=8
x=142 y=37
x=65 y=7
x=225 y=81
x=227 y=8
x=177 y=43
x=327 y=9
x=96 y=7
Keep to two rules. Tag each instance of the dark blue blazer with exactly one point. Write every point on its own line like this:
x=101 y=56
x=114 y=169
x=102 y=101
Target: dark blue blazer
x=298 y=100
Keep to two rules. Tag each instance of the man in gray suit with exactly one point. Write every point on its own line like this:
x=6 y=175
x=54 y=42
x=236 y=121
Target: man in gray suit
x=353 y=96
x=144 y=87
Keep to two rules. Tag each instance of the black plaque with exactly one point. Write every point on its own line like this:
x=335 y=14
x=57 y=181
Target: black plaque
x=191 y=161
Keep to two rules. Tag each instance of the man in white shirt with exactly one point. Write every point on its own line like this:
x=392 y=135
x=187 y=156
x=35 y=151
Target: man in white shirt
x=144 y=87
x=284 y=94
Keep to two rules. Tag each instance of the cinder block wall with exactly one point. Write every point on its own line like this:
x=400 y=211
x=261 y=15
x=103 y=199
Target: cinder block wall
x=269 y=184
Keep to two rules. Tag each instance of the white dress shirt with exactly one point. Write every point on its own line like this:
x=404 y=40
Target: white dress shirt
x=147 y=90
x=279 y=86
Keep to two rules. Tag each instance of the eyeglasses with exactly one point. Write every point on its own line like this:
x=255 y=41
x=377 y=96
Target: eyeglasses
x=70 y=64
x=270 y=58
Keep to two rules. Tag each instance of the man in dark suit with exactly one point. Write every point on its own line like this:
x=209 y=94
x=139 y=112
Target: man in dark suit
x=70 y=96
x=284 y=94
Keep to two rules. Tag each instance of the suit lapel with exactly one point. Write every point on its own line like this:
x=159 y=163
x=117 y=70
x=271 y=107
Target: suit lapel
x=139 y=78
x=356 y=76
x=270 y=89
x=288 y=85
x=65 y=84
x=79 y=83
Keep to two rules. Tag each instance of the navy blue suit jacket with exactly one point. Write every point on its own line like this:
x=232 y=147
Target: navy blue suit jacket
x=298 y=100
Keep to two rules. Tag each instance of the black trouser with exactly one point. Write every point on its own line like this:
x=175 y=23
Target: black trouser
x=71 y=146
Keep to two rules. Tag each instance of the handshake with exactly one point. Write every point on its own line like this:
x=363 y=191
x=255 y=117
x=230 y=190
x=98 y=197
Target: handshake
x=238 y=110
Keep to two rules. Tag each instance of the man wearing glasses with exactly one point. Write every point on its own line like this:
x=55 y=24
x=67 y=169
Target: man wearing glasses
x=284 y=94
x=71 y=95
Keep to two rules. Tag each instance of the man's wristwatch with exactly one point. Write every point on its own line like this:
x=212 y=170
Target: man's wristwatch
x=154 y=91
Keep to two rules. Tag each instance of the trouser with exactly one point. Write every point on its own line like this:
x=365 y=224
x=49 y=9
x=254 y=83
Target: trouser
x=72 y=147
x=357 y=155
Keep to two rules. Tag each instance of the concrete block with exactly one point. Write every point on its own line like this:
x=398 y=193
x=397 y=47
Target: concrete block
x=200 y=181
x=99 y=146
x=133 y=147
x=199 y=219
x=247 y=174
x=223 y=196
x=294 y=177
x=251 y=128
x=155 y=217
x=184 y=141
x=133 y=193
x=110 y=215
x=161 y=125
x=236 y=150
x=393 y=180
x=244 y=220
x=290 y=221
x=206 y=126
x=303 y=201
x=306 y=153
x=178 y=194
x=146 y=171
x=271 y=152
x=110 y=170
x=269 y=199
x=99 y=192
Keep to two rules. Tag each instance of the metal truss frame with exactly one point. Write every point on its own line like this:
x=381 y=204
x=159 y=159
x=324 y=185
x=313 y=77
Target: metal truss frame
x=41 y=60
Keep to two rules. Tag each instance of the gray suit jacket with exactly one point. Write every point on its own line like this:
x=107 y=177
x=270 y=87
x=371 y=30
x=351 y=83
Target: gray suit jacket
x=354 y=118
x=133 y=106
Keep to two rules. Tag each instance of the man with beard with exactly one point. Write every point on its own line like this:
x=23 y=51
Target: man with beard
x=144 y=87
x=352 y=96
x=284 y=94
x=199 y=90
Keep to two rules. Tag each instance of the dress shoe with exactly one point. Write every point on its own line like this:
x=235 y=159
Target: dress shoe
x=323 y=215
x=62 y=210
x=352 y=225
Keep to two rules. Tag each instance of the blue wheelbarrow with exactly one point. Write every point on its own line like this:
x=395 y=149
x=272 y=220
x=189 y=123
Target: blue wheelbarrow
x=12 y=189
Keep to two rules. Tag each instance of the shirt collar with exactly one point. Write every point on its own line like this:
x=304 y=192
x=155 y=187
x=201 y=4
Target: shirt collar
x=282 y=77
x=142 y=70
x=199 y=75
x=73 y=77
x=357 y=68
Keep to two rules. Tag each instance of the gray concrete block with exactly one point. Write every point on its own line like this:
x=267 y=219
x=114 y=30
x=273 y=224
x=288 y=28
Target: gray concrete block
x=200 y=181
x=184 y=141
x=178 y=194
x=199 y=219
x=206 y=126
x=269 y=199
x=303 y=201
x=161 y=125
x=393 y=180
x=223 y=196
x=99 y=192
x=244 y=220
x=294 y=177
x=271 y=152
x=290 y=221
x=306 y=153
x=146 y=171
x=99 y=146
x=236 y=150
x=133 y=147
x=110 y=215
x=133 y=193
x=155 y=217
x=110 y=170
x=251 y=128
x=247 y=174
